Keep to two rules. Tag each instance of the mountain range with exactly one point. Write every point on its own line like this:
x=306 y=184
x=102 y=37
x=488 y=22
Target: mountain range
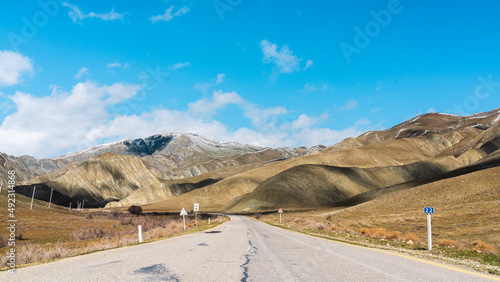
x=171 y=171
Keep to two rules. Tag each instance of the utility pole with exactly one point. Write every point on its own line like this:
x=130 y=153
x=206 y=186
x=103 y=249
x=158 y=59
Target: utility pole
x=50 y=200
x=32 y=197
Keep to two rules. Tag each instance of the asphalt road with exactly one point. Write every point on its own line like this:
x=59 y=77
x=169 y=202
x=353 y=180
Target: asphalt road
x=242 y=250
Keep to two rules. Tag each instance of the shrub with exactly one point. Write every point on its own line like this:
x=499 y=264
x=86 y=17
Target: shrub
x=91 y=233
x=341 y=228
x=396 y=235
x=298 y=220
x=257 y=215
x=447 y=243
x=483 y=247
x=315 y=225
x=137 y=210
x=374 y=233
x=413 y=237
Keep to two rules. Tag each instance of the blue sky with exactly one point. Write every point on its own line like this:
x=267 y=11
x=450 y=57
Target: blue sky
x=272 y=73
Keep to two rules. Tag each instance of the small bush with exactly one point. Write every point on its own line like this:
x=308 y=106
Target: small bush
x=396 y=235
x=91 y=233
x=480 y=246
x=315 y=225
x=257 y=215
x=413 y=237
x=341 y=228
x=137 y=210
x=298 y=220
x=447 y=243
x=374 y=233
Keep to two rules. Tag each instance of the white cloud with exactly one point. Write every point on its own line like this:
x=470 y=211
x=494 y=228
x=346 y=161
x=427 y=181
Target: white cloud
x=45 y=126
x=350 y=105
x=282 y=58
x=77 y=15
x=118 y=65
x=68 y=121
x=168 y=14
x=206 y=107
x=220 y=78
x=304 y=121
x=309 y=64
x=12 y=66
x=180 y=65
x=83 y=71
x=308 y=87
x=203 y=87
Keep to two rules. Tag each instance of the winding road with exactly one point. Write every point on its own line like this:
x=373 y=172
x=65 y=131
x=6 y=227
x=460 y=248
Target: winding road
x=243 y=250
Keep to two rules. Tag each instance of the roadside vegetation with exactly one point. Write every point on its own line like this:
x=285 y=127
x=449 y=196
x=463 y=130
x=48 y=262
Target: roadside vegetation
x=44 y=234
x=476 y=254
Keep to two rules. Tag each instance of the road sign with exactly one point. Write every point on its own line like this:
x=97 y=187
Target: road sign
x=183 y=212
x=429 y=211
x=280 y=211
x=196 y=207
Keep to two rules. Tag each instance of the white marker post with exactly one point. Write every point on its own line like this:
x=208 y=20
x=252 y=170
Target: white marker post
x=32 y=197
x=280 y=212
x=429 y=211
x=196 y=209
x=69 y=205
x=208 y=221
x=50 y=200
x=83 y=204
x=140 y=233
x=184 y=213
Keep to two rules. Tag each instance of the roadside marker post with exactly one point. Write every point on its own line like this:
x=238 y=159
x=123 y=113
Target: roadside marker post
x=32 y=197
x=208 y=221
x=196 y=209
x=50 y=200
x=140 y=233
x=429 y=211
x=184 y=213
x=280 y=212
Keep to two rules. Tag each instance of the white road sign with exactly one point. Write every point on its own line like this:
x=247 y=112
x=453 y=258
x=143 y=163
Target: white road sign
x=196 y=207
x=183 y=212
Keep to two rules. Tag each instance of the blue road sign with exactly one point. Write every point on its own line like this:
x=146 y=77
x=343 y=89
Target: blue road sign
x=428 y=210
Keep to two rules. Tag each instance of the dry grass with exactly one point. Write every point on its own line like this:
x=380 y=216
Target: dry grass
x=483 y=247
x=374 y=233
x=412 y=237
x=91 y=233
x=312 y=224
x=54 y=233
x=3 y=241
x=447 y=243
x=341 y=228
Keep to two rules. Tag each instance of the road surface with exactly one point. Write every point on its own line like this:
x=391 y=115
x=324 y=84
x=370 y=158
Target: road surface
x=242 y=250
